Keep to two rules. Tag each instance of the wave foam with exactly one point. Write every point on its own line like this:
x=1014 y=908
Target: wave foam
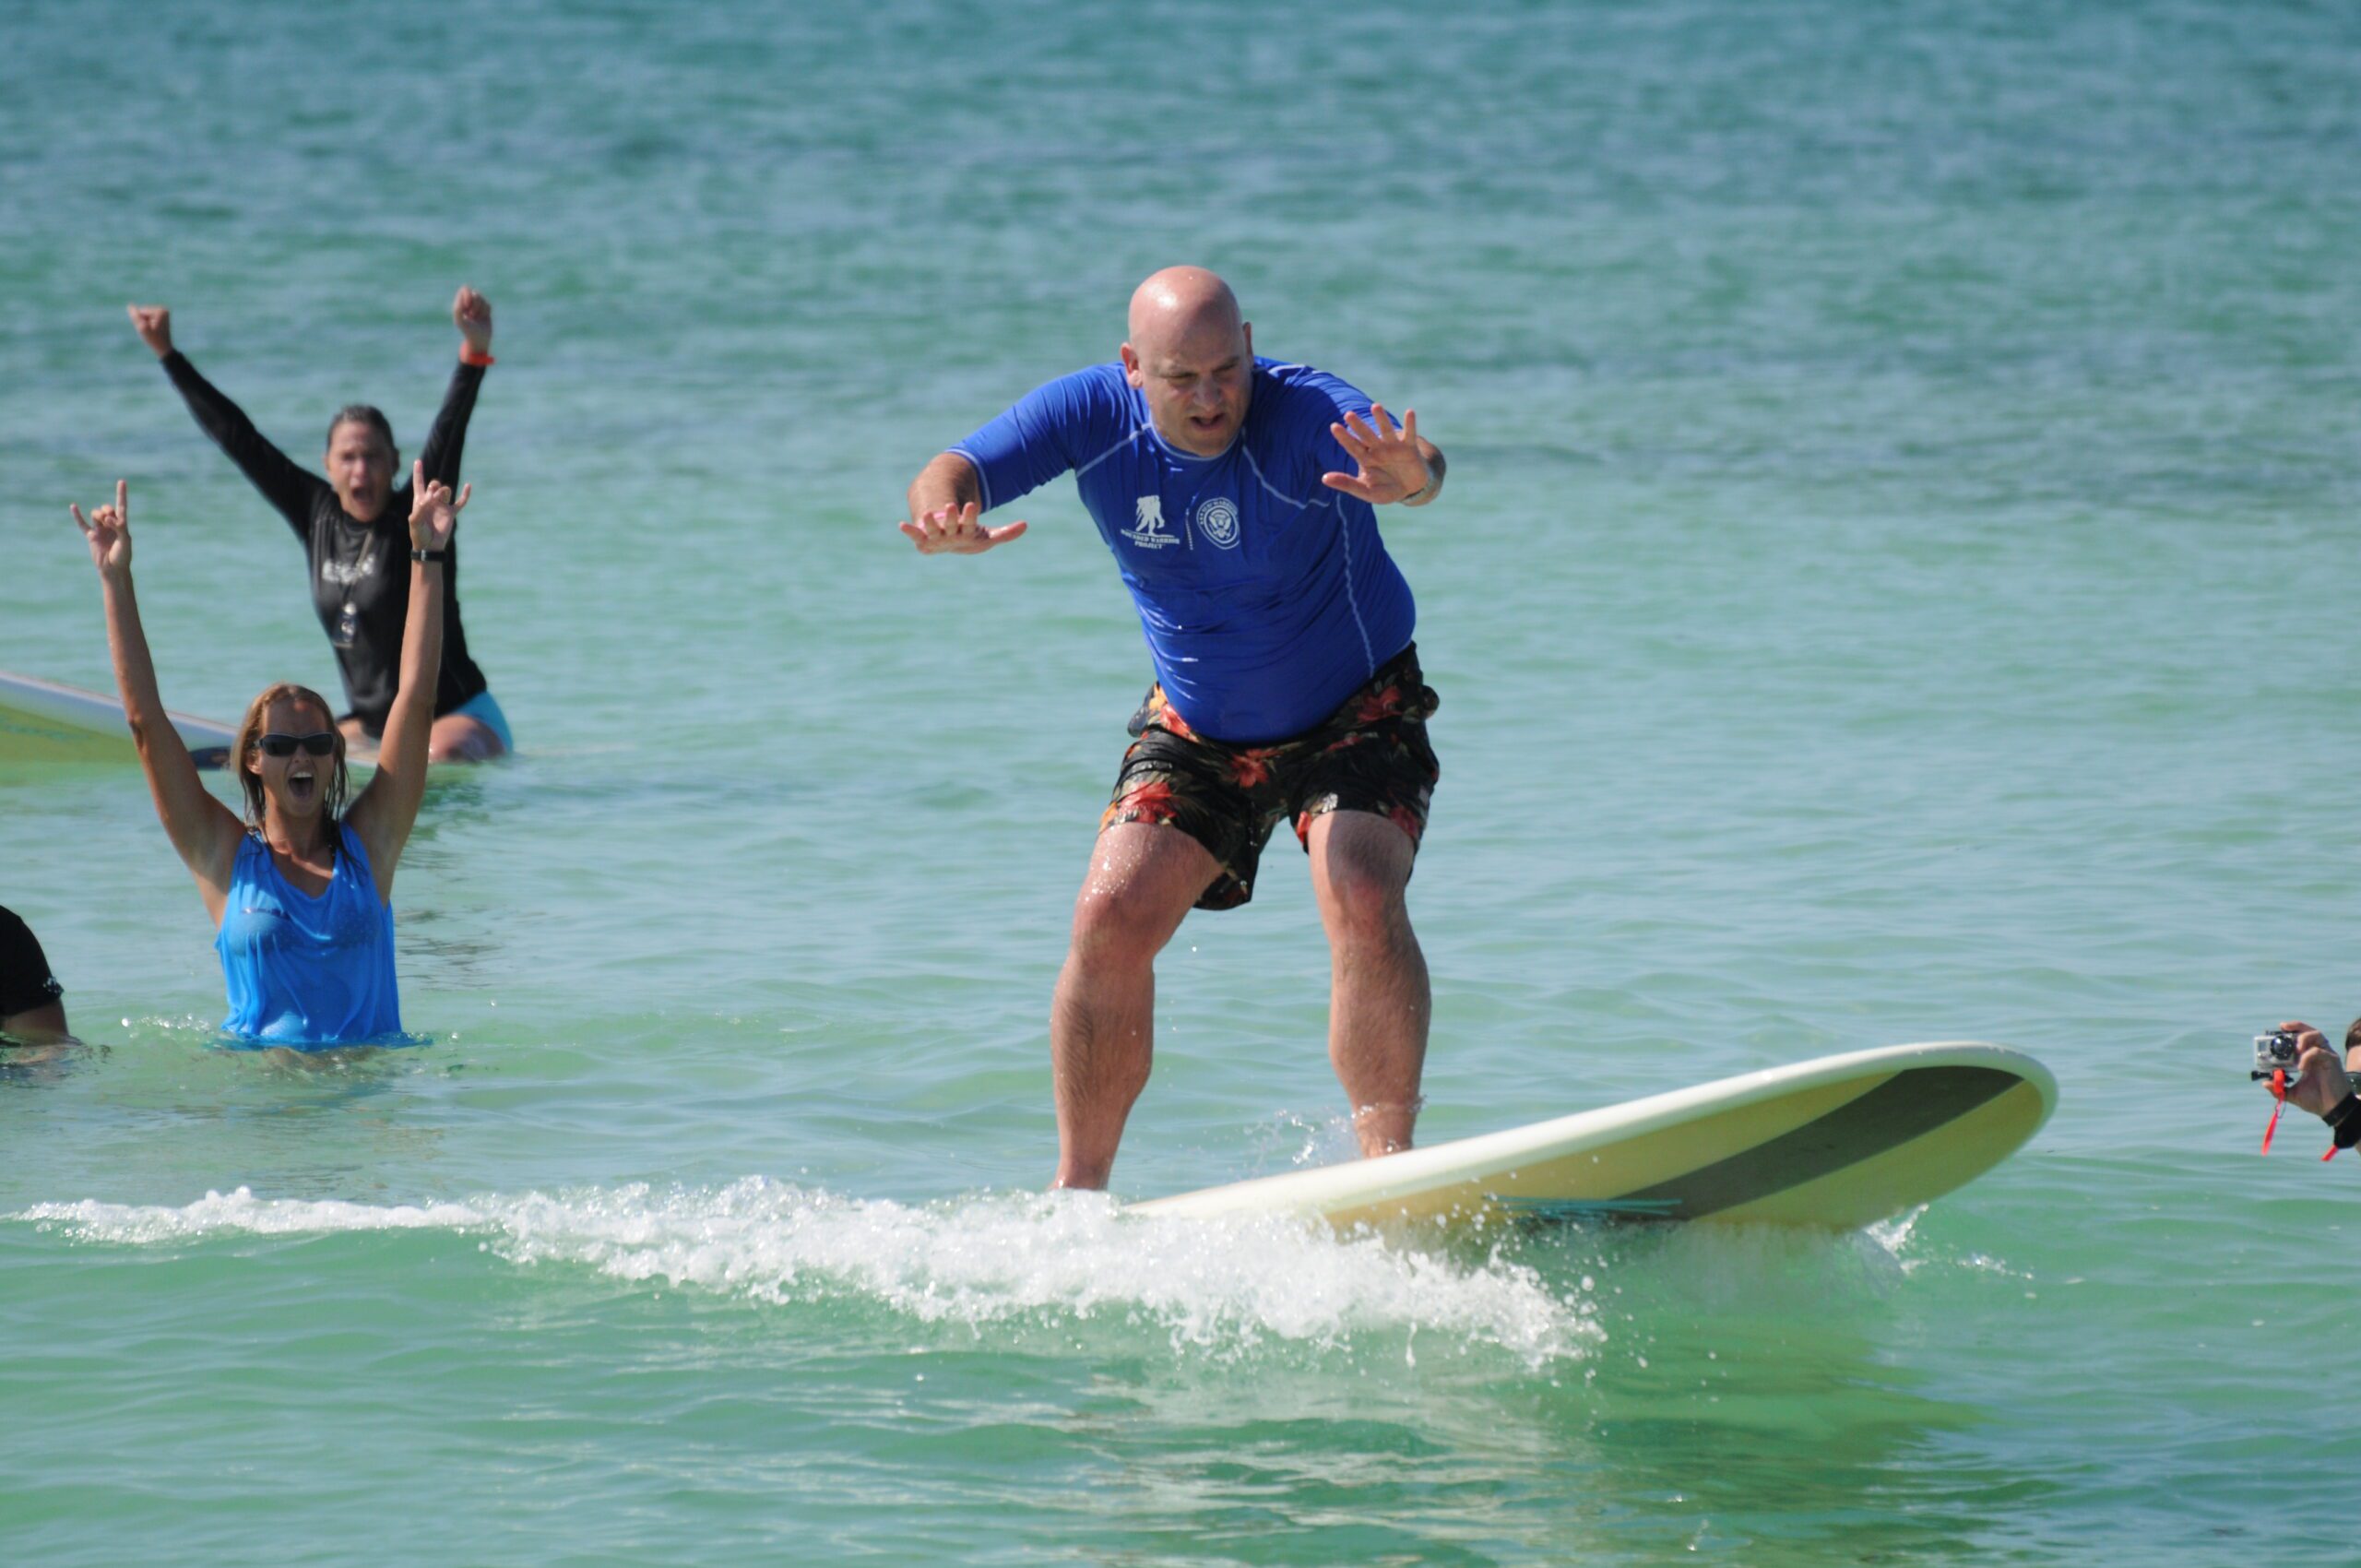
x=1220 y=1285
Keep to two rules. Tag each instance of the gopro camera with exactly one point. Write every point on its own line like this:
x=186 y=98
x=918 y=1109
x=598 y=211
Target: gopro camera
x=2276 y=1052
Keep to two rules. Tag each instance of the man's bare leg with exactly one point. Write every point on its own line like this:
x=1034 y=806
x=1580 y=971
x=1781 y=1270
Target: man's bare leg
x=1143 y=879
x=1379 y=1004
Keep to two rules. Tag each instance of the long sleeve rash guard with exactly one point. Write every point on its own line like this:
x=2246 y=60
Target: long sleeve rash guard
x=360 y=571
x=1265 y=596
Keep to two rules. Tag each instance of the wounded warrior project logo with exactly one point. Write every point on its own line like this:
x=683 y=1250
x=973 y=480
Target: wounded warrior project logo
x=1218 y=520
x=1148 y=531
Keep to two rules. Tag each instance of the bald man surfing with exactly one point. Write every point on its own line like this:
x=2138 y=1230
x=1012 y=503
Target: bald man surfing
x=1237 y=495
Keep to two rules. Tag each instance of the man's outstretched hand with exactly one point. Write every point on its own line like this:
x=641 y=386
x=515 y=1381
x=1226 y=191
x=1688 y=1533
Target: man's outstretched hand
x=154 y=325
x=957 y=531
x=1393 y=464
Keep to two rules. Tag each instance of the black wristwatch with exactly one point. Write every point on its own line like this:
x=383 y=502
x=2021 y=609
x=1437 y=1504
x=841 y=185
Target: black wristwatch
x=442 y=554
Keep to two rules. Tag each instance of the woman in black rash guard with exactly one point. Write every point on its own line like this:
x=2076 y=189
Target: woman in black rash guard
x=353 y=529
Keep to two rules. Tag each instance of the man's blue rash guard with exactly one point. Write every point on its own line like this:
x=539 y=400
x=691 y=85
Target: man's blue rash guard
x=1266 y=596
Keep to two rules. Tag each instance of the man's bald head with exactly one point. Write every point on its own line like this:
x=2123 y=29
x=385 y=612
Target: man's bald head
x=1192 y=355
x=1182 y=300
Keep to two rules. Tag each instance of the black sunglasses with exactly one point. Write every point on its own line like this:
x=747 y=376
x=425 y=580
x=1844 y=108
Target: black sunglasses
x=318 y=744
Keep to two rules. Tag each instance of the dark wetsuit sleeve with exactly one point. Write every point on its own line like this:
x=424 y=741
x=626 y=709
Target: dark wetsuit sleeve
x=24 y=981
x=284 y=485
x=448 y=439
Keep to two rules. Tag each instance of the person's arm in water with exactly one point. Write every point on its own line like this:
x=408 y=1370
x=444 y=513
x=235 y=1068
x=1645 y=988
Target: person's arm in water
x=1397 y=464
x=947 y=503
x=471 y=313
x=285 y=485
x=388 y=809
x=201 y=828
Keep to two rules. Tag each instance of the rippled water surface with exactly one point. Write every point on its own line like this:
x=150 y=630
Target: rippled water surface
x=1893 y=585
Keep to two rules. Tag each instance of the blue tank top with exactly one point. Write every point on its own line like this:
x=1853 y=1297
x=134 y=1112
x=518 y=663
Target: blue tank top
x=307 y=971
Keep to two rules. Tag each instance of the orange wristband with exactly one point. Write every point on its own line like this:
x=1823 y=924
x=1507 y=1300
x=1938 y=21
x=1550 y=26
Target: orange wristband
x=468 y=356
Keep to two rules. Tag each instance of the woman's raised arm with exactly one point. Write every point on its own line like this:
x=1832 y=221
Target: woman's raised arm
x=201 y=827
x=388 y=807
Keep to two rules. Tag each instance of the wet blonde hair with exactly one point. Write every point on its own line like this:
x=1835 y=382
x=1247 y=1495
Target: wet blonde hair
x=250 y=732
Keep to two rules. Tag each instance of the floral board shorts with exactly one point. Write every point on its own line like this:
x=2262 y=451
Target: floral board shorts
x=1370 y=755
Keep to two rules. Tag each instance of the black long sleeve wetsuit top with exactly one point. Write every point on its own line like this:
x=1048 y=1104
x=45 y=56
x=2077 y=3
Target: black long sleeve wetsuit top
x=360 y=571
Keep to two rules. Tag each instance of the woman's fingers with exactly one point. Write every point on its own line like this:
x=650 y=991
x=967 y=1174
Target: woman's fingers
x=434 y=493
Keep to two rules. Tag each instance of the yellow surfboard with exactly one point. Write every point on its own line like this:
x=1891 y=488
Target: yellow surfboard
x=1832 y=1144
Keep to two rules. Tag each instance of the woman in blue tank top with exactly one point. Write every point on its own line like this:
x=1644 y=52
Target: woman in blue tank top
x=299 y=890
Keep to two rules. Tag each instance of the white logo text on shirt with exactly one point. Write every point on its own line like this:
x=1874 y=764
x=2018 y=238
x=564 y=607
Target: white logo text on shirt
x=1148 y=532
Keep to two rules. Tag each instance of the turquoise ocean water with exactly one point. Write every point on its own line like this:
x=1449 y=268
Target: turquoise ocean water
x=1896 y=583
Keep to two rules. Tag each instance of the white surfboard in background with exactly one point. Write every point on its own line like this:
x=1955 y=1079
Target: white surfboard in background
x=43 y=721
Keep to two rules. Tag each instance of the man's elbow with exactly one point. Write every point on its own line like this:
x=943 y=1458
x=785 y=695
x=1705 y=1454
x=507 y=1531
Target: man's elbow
x=946 y=475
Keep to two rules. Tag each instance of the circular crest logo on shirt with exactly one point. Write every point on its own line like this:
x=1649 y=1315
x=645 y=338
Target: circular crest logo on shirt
x=1218 y=520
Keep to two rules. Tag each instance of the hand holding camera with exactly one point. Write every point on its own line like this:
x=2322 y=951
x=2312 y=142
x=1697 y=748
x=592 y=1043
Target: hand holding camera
x=2305 y=1073
x=2316 y=1080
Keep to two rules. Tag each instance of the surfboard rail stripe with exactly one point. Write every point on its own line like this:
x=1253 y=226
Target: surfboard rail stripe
x=1559 y=1211
x=1909 y=1105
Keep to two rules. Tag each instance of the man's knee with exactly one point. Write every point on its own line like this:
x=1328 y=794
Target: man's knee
x=1363 y=866
x=1367 y=907
x=1137 y=892
x=1120 y=926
